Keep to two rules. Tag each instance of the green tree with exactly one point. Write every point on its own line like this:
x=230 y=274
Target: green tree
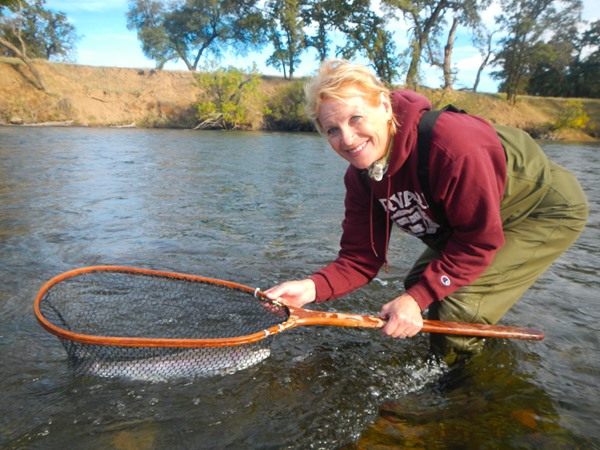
x=147 y=17
x=584 y=74
x=39 y=32
x=11 y=36
x=526 y=22
x=8 y=3
x=286 y=33
x=553 y=62
x=467 y=14
x=191 y=29
x=426 y=23
x=426 y=19
x=317 y=16
x=366 y=35
x=483 y=40
x=48 y=34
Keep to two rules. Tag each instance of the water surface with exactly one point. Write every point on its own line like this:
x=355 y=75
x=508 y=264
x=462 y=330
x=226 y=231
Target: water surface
x=260 y=208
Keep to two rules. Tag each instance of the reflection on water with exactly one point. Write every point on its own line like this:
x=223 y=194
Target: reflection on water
x=258 y=208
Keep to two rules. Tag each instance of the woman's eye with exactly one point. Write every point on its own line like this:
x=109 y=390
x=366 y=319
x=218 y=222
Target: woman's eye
x=331 y=131
x=354 y=119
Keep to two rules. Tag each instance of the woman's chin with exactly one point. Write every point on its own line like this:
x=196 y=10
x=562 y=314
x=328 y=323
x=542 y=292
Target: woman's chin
x=361 y=164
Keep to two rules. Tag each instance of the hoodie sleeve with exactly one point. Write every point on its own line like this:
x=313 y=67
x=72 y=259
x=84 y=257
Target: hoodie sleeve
x=357 y=264
x=467 y=175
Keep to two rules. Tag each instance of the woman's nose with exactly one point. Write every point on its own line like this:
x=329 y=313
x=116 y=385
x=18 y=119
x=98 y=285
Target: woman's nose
x=348 y=135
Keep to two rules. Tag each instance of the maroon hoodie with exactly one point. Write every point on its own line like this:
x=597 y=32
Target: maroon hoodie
x=467 y=173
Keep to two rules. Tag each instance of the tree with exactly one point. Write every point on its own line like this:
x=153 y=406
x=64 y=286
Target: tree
x=550 y=71
x=526 y=22
x=446 y=62
x=427 y=23
x=466 y=13
x=43 y=33
x=286 y=35
x=190 y=29
x=425 y=18
x=147 y=16
x=317 y=15
x=11 y=36
x=584 y=73
x=366 y=35
x=483 y=41
x=48 y=34
x=8 y=3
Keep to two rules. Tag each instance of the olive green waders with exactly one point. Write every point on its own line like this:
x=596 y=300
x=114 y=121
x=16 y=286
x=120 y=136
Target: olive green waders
x=544 y=210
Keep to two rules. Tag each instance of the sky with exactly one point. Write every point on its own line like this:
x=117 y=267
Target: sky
x=106 y=41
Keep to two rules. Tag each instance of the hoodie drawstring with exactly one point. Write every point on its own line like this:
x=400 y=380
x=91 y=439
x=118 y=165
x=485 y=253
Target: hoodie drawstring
x=387 y=225
x=371 y=225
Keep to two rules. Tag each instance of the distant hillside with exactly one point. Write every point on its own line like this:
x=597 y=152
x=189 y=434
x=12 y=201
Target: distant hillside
x=106 y=96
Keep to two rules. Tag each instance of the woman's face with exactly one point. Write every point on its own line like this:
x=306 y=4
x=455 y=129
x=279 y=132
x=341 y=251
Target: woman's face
x=356 y=130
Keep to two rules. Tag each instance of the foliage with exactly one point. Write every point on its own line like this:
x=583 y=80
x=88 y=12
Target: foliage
x=39 y=32
x=286 y=109
x=426 y=20
x=48 y=34
x=526 y=23
x=8 y=4
x=316 y=17
x=286 y=34
x=585 y=70
x=572 y=116
x=190 y=29
x=366 y=36
x=230 y=99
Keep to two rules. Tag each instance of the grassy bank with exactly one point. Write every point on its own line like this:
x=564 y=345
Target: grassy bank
x=106 y=96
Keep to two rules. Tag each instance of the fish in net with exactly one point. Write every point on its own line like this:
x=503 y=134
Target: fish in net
x=143 y=325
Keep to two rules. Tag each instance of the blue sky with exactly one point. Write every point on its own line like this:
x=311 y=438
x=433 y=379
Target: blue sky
x=106 y=41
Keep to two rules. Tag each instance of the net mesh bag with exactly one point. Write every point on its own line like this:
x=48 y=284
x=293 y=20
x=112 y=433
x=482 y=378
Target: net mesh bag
x=101 y=305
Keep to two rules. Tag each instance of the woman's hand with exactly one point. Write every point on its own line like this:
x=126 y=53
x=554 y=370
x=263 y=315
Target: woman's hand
x=293 y=293
x=403 y=317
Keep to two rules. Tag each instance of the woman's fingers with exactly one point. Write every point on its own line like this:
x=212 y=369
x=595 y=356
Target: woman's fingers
x=403 y=317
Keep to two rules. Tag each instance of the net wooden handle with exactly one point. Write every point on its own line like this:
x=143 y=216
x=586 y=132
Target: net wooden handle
x=302 y=317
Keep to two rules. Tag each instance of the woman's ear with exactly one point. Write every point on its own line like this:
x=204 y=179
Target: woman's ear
x=385 y=101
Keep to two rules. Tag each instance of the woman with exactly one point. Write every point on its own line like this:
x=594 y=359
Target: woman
x=509 y=214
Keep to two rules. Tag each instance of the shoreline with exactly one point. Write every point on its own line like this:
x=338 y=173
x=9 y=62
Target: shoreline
x=111 y=97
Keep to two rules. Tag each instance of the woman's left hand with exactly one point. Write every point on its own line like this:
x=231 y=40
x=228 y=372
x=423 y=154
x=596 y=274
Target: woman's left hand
x=403 y=317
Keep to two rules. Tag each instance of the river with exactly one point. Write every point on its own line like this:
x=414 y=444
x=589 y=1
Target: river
x=258 y=209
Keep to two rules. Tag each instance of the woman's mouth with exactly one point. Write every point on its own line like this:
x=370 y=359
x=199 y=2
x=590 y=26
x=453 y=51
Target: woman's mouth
x=356 y=150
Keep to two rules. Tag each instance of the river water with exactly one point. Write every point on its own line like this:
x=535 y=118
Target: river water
x=260 y=208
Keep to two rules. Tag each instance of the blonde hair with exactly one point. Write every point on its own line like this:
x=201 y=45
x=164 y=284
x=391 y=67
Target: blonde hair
x=340 y=79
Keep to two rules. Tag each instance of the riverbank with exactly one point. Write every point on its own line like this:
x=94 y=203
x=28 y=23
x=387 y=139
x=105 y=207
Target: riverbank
x=148 y=98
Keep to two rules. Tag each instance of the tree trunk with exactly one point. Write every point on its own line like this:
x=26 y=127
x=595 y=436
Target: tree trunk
x=484 y=63
x=28 y=62
x=448 y=56
x=421 y=38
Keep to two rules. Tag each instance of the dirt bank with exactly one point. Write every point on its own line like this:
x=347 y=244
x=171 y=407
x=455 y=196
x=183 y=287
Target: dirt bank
x=107 y=96
x=96 y=96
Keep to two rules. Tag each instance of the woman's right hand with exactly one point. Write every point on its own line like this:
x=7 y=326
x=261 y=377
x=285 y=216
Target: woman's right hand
x=293 y=293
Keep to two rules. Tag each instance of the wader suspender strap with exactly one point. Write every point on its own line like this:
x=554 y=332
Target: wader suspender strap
x=424 y=144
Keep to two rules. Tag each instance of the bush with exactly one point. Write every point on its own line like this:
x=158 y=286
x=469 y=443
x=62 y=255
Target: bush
x=230 y=99
x=285 y=110
x=572 y=116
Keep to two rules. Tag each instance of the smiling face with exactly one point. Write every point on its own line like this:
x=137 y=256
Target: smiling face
x=356 y=129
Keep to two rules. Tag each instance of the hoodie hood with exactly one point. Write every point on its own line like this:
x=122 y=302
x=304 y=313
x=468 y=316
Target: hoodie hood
x=408 y=107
